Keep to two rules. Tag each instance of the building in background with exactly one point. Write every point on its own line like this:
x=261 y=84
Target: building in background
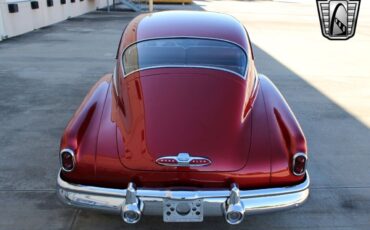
x=21 y=16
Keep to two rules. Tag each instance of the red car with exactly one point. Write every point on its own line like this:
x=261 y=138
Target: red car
x=184 y=128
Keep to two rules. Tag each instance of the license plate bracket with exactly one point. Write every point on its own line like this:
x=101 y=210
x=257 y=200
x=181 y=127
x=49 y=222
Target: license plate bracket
x=183 y=210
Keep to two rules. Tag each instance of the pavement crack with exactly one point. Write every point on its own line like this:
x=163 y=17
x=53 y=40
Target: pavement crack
x=74 y=219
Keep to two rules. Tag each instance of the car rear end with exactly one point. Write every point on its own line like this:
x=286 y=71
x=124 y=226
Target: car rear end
x=186 y=129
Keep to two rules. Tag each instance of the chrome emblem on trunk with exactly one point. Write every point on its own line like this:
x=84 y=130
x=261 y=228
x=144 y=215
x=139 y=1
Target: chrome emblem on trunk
x=183 y=160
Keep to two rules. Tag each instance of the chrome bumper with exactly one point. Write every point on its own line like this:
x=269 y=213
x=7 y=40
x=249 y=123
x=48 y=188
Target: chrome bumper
x=151 y=201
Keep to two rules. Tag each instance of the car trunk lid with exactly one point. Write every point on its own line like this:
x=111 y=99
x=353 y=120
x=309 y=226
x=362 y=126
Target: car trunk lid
x=198 y=113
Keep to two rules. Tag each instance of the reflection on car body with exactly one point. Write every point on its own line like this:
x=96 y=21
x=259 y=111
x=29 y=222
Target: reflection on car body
x=185 y=128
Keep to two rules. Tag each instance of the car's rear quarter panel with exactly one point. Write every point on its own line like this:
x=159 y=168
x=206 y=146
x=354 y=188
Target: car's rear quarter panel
x=81 y=133
x=285 y=133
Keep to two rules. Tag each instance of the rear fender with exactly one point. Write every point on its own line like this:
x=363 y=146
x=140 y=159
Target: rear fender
x=81 y=133
x=286 y=135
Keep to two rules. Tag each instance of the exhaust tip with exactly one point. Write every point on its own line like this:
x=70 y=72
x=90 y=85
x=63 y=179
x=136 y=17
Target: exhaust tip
x=131 y=210
x=131 y=214
x=233 y=208
x=234 y=216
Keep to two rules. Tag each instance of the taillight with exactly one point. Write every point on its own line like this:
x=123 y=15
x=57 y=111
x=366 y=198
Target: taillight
x=200 y=162
x=183 y=160
x=167 y=161
x=67 y=160
x=299 y=164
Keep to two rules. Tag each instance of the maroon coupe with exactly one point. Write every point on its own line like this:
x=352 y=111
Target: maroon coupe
x=185 y=128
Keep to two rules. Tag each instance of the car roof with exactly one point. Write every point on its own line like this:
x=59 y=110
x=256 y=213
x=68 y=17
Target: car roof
x=167 y=24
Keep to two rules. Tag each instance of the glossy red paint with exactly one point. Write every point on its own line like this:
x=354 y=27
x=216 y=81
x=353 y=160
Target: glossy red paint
x=184 y=24
x=244 y=126
x=173 y=110
x=286 y=135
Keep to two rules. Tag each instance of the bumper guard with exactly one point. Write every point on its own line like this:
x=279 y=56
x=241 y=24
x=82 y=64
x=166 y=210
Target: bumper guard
x=233 y=204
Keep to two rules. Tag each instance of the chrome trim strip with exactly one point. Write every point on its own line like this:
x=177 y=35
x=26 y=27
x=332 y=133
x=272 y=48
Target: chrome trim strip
x=186 y=37
x=185 y=66
x=305 y=165
x=115 y=80
x=70 y=151
x=253 y=201
x=256 y=81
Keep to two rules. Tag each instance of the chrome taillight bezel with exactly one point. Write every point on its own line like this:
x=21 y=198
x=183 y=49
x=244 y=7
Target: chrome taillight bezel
x=294 y=161
x=71 y=152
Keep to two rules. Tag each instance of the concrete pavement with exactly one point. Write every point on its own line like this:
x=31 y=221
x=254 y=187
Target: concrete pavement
x=45 y=75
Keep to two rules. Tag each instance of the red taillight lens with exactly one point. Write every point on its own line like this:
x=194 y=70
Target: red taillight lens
x=200 y=162
x=299 y=164
x=67 y=160
x=167 y=161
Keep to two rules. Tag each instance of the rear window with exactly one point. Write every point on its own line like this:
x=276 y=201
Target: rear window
x=185 y=52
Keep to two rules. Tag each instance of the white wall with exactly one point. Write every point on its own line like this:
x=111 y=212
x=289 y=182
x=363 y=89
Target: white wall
x=28 y=19
x=2 y=29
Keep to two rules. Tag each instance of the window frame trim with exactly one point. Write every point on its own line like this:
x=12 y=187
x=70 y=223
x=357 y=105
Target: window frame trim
x=185 y=66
